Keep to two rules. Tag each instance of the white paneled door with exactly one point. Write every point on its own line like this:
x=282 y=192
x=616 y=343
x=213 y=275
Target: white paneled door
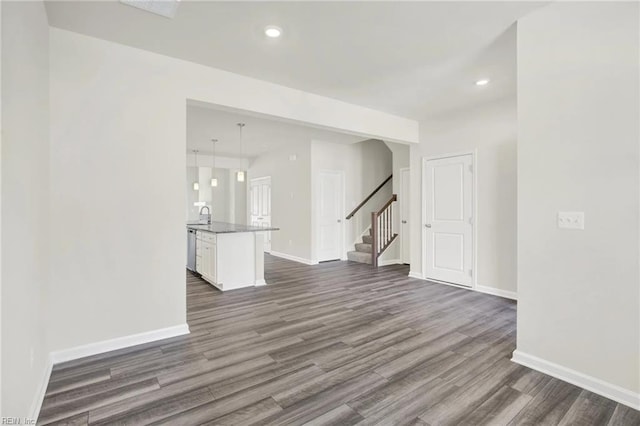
x=404 y=216
x=448 y=214
x=260 y=205
x=330 y=196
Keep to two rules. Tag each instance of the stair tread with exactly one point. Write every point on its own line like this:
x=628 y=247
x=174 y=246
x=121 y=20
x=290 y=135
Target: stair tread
x=357 y=256
x=364 y=248
x=367 y=239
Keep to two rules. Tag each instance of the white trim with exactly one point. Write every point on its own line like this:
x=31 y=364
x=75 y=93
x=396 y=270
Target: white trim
x=387 y=262
x=294 y=258
x=479 y=289
x=36 y=405
x=590 y=383
x=117 y=343
x=260 y=283
x=474 y=207
x=497 y=292
x=401 y=214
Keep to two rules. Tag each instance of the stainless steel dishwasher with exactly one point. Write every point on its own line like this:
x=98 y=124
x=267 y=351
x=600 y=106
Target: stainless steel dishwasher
x=191 y=249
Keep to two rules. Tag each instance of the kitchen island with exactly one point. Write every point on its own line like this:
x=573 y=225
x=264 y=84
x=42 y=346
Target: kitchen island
x=230 y=256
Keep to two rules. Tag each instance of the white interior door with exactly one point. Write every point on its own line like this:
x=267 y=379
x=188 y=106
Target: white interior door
x=404 y=216
x=448 y=209
x=329 y=209
x=260 y=206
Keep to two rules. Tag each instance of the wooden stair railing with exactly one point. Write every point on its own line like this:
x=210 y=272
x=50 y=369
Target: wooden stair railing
x=375 y=191
x=382 y=230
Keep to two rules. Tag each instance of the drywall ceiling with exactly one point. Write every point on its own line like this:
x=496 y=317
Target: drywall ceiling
x=407 y=58
x=259 y=135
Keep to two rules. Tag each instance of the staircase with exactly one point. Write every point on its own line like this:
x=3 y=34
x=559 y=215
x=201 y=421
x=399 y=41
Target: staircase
x=363 y=250
x=381 y=235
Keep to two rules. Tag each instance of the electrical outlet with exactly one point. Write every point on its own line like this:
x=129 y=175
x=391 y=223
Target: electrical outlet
x=571 y=220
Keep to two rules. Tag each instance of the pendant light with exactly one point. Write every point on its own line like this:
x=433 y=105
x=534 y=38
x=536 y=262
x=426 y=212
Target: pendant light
x=240 y=175
x=196 y=185
x=214 y=179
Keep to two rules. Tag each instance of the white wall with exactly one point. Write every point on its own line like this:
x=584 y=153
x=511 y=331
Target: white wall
x=578 y=150
x=118 y=124
x=25 y=195
x=489 y=130
x=290 y=196
x=221 y=161
x=366 y=165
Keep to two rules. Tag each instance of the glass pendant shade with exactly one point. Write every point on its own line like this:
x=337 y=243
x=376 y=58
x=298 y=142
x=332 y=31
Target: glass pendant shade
x=214 y=180
x=240 y=174
x=196 y=185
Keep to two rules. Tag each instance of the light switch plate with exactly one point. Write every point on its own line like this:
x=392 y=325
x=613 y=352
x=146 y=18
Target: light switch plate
x=571 y=220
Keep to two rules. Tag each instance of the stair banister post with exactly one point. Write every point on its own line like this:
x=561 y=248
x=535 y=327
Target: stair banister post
x=374 y=239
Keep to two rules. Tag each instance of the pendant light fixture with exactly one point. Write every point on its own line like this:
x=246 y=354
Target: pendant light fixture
x=196 y=185
x=214 y=179
x=240 y=175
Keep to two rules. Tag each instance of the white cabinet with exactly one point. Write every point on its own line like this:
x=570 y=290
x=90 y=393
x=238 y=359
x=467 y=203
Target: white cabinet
x=228 y=260
x=206 y=259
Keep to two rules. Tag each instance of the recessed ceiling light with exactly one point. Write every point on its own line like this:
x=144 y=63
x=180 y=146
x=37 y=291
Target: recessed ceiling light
x=273 y=31
x=482 y=82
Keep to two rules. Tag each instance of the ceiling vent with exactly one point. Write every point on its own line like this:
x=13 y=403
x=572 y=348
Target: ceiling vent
x=166 y=8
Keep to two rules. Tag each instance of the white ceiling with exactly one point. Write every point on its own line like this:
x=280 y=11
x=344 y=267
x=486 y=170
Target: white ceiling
x=408 y=58
x=259 y=135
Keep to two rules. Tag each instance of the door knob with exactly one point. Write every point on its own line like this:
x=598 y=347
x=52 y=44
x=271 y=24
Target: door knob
x=339 y=221
x=428 y=225
x=404 y=221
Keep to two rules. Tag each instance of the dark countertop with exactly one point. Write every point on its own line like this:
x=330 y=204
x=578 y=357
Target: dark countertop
x=227 y=228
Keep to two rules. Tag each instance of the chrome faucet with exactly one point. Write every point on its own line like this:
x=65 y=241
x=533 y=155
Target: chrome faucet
x=208 y=215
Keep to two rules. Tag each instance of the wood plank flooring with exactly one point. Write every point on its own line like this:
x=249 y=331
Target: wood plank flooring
x=334 y=344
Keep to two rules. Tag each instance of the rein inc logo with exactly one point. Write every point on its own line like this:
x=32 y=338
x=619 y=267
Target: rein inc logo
x=17 y=421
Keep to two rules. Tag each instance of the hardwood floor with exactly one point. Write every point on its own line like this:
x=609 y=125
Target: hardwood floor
x=339 y=343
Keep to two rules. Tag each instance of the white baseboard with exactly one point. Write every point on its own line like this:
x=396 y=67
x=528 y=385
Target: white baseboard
x=497 y=292
x=117 y=343
x=294 y=258
x=42 y=389
x=260 y=283
x=387 y=262
x=481 y=289
x=416 y=275
x=98 y=348
x=608 y=390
